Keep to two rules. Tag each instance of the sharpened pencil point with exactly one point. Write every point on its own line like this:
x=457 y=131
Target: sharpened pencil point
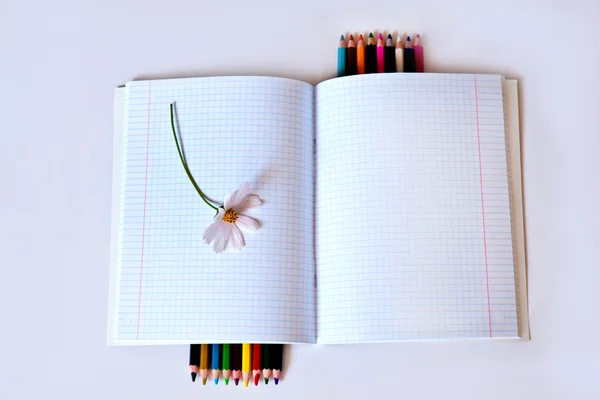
x=351 y=37
x=341 y=37
x=256 y=379
x=276 y=381
x=266 y=381
x=245 y=383
x=216 y=381
x=226 y=381
x=236 y=381
x=380 y=36
x=204 y=381
x=371 y=35
x=408 y=38
x=360 y=37
x=193 y=377
x=389 y=36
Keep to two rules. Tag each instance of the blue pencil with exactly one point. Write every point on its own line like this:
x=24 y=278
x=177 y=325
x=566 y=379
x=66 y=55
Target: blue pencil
x=342 y=57
x=216 y=367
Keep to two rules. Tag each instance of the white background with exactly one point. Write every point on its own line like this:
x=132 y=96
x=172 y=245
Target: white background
x=59 y=63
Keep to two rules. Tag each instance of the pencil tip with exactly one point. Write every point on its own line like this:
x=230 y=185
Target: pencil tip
x=351 y=37
x=256 y=379
x=226 y=381
x=371 y=34
x=380 y=36
x=389 y=36
x=408 y=38
x=204 y=381
x=236 y=381
x=418 y=36
x=193 y=377
x=276 y=381
x=341 y=37
x=360 y=37
x=266 y=381
x=216 y=381
x=245 y=383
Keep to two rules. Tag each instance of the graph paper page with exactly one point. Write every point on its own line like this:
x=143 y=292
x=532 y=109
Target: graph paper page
x=171 y=287
x=413 y=211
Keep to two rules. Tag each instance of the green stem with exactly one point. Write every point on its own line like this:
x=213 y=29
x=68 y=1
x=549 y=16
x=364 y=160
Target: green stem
x=185 y=166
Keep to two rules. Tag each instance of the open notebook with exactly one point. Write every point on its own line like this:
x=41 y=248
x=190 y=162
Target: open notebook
x=392 y=211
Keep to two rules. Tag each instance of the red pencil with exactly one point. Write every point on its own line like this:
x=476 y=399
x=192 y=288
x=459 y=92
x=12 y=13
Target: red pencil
x=380 y=55
x=256 y=363
x=419 y=54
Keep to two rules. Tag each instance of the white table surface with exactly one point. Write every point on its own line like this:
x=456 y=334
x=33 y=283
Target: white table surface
x=59 y=63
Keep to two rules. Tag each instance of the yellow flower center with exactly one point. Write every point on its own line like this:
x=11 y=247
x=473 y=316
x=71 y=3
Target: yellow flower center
x=230 y=216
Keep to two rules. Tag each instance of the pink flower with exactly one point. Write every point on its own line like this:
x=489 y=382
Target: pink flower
x=226 y=231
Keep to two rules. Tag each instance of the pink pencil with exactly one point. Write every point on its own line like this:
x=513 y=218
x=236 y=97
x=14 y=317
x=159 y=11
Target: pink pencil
x=419 y=54
x=380 y=56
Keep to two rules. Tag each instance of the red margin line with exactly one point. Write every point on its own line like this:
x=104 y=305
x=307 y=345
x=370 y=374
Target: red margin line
x=487 y=281
x=137 y=335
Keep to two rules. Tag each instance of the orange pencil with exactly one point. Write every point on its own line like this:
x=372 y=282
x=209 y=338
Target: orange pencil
x=256 y=363
x=360 y=55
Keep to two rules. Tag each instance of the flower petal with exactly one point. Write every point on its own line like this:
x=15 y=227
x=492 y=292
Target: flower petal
x=249 y=202
x=212 y=231
x=237 y=196
x=247 y=223
x=236 y=239
x=220 y=242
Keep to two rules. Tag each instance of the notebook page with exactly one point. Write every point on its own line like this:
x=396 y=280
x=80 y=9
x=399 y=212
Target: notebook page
x=413 y=211
x=171 y=287
x=513 y=152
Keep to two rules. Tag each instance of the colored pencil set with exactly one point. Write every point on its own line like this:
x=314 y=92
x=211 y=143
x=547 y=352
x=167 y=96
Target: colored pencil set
x=245 y=361
x=385 y=56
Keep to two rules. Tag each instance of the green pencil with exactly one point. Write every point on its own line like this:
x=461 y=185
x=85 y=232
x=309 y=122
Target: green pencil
x=266 y=362
x=226 y=368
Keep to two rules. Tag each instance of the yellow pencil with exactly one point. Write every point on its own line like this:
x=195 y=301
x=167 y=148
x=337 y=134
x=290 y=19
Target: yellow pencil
x=204 y=363
x=246 y=357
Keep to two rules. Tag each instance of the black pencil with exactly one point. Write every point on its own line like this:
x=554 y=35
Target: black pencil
x=409 y=57
x=371 y=56
x=276 y=353
x=236 y=362
x=194 y=360
x=390 y=55
x=351 y=57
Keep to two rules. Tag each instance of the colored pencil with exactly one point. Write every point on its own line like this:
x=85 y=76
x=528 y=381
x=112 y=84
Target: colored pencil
x=351 y=57
x=236 y=362
x=277 y=361
x=420 y=65
x=380 y=55
x=204 y=362
x=399 y=54
x=194 y=360
x=409 y=57
x=226 y=364
x=216 y=367
x=370 y=56
x=390 y=57
x=265 y=359
x=246 y=357
x=341 y=57
x=256 y=363
x=360 y=55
